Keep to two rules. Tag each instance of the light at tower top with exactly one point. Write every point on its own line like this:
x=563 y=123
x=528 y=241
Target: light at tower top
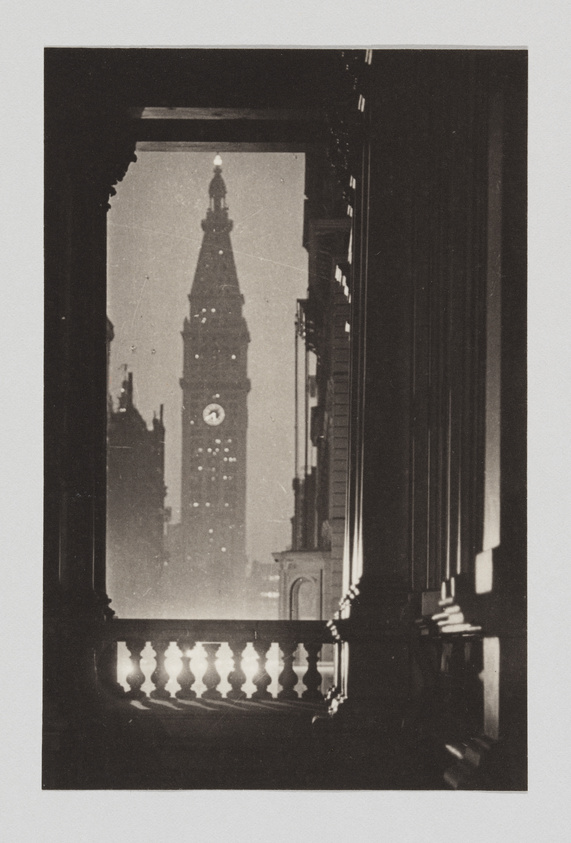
x=217 y=189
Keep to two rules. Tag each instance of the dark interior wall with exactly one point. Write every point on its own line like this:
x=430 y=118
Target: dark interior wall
x=441 y=231
x=191 y=78
x=427 y=262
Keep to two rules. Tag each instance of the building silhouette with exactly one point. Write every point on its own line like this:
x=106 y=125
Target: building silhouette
x=135 y=508
x=211 y=563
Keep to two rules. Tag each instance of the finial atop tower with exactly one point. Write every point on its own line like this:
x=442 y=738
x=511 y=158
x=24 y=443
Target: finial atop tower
x=217 y=189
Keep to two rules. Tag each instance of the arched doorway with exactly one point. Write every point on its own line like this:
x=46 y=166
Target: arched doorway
x=304 y=599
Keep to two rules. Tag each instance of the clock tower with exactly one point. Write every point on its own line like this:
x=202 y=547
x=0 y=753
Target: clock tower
x=215 y=387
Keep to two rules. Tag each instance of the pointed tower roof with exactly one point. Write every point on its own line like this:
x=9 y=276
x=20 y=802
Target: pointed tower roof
x=215 y=274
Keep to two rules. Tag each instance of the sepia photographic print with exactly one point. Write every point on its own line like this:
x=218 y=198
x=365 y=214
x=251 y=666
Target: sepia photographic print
x=285 y=419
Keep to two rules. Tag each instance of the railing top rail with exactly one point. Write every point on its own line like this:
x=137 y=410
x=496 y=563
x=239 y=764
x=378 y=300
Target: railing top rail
x=120 y=629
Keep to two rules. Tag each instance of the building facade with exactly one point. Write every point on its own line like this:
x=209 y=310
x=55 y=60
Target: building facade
x=311 y=571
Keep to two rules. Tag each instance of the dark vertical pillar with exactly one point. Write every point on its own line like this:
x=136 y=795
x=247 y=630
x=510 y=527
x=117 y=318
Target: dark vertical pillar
x=88 y=149
x=82 y=569
x=373 y=621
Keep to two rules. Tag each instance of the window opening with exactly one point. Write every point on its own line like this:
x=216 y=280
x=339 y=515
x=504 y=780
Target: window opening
x=172 y=269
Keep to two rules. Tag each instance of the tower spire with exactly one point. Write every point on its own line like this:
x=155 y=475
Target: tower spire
x=215 y=384
x=215 y=270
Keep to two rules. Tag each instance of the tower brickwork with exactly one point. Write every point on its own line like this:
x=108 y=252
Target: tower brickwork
x=215 y=387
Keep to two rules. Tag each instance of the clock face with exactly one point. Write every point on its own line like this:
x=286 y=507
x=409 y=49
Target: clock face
x=213 y=414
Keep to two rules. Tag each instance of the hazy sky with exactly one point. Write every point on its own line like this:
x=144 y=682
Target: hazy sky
x=154 y=239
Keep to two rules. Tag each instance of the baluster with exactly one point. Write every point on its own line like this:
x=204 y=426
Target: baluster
x=288 y=676
x=160 y=676
x=312 y=679
x=186 y=677
x=262 y=678
x=136 y=676
x=237 y=677
x=211 y=677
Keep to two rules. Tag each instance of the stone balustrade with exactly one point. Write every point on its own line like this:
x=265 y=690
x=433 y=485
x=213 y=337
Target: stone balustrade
x=210 y=635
